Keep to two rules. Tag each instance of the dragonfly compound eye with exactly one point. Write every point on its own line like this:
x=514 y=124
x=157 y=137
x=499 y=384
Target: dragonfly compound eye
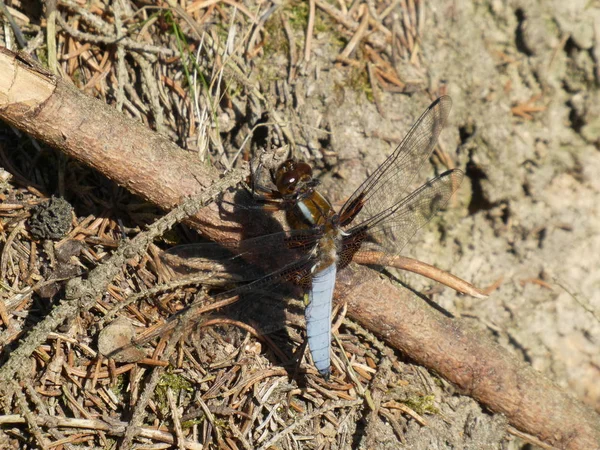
x=290 y=174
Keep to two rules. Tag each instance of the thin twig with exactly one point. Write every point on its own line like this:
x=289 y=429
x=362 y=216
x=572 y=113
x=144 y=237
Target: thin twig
x=127 y=43
x=121 y=69
x=309 y=30
x=114 y=428
x=292 y=46
x=359 y=34
x=176 y=418
x=421 y=268
x=374 y=91
x=529 y=438
x=151 y=84
x=29 y=416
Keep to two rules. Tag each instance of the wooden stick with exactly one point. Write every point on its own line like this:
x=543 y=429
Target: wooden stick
x=424 y=269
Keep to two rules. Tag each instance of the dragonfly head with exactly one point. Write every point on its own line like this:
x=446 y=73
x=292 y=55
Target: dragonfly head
x=294 y=179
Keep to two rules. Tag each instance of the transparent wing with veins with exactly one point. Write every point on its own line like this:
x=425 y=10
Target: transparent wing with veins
x=258 y=254
x=386 y=187
x=271 y=268
x=391 y=230
x=381 y=206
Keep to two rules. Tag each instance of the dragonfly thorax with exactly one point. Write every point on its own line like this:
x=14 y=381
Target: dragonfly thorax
x=311 y=211
x=304 y=206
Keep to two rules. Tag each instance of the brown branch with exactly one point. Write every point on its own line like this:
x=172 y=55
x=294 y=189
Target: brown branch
x=470 y=360
x=154 y=168
x=421 y=268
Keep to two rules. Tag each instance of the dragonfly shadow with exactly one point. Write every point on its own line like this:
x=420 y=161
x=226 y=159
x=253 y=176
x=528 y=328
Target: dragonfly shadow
x=267 y=302
x=252 y=217
x=422 y=296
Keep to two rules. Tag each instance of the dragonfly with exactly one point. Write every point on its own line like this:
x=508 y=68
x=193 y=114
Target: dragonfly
x=382 y=215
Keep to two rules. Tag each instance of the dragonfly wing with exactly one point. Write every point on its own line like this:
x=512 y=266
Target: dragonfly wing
x=247 y=260
x=266 y=294
x=272 y=302
x=390 y=230
x=386 y=187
